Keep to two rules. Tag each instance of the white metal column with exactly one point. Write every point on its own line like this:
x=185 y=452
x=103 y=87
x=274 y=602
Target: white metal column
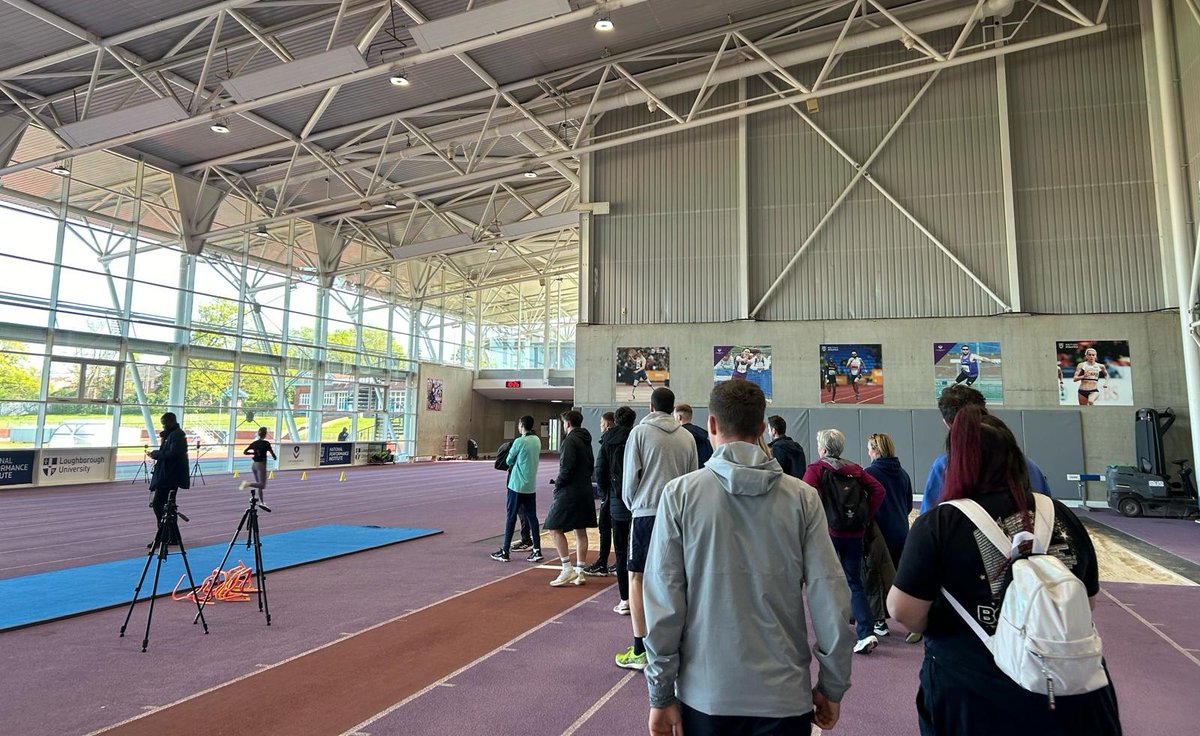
x=1168 y=99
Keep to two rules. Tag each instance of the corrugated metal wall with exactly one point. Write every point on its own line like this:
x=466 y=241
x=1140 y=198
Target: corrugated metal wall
x=1086 y=226
x=667 y=252
x=1086 y=219
x=1187 y=45
x=869 y=260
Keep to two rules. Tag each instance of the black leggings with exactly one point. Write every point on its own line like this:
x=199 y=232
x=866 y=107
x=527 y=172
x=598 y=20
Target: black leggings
x=620 y=535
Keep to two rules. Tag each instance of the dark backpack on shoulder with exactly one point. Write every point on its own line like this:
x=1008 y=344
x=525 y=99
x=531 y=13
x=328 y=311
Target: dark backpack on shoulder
x=847 y=505
x=502 y=456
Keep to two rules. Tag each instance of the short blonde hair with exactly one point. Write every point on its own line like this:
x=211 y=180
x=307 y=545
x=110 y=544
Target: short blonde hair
x=882 y=445
x=685 y=410
x=832 y=440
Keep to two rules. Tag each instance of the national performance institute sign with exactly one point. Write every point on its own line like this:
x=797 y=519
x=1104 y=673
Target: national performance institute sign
x=16 y=467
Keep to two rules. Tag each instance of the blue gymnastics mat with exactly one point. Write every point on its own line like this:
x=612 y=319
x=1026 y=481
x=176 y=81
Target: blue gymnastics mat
x=52 y=595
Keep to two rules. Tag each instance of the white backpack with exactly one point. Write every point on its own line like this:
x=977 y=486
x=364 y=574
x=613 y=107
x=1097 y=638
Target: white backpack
x=1045 y=639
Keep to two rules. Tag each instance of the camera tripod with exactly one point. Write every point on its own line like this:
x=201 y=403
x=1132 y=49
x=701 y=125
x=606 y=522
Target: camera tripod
x=144 y=470
x=196 y=469
x=249 y=522
x=168 y=526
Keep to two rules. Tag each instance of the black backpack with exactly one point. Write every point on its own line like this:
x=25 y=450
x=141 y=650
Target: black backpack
x=502 y=456
x=847 y=505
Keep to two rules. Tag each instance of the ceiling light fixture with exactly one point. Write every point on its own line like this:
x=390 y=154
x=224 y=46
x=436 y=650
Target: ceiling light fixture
x=219 y=127
x=604 y=24
x=399 y=80
x=261 y=231
x=492 y=249
x=531 y=174
x=389 y=205
x=61 y=170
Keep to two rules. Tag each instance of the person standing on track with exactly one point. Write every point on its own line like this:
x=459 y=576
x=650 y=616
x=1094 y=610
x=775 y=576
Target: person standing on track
x=259 y=448
x=170 y=470
x=522 y=460
x=574 y=508
x=854 y=368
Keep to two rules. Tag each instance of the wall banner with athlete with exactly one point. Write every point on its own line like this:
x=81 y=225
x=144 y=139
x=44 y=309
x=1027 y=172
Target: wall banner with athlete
x=743 y=362
x=1093 y=372
x=851 y=374
x=974 y=364
x=640 y=371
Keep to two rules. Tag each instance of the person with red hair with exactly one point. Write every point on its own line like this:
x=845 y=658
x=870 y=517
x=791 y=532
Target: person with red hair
x=962 y=690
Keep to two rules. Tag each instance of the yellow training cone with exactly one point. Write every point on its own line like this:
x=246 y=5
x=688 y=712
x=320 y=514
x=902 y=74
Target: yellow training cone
x=342 y=477
x=304 y=476
x=235 y=474
x=271 y=475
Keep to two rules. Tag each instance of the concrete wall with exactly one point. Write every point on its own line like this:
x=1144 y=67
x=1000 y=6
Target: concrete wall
x=468 y=414
x=1028 y=353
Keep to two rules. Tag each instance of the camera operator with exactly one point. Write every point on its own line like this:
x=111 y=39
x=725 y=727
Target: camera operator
x=170 y=470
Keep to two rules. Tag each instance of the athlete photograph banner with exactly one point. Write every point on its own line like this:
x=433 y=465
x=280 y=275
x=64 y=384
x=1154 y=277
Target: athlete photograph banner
x=744 y=363
x=851 y=374
x=1093 y=373
x=433 y=394
x=970 y=363
x=640 y=371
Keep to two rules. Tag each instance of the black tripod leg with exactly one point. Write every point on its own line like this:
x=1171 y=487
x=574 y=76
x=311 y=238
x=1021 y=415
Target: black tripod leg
x=162 y=555
x=138 y=588
x=192 y=582
x=261 y=576
x=221 y=565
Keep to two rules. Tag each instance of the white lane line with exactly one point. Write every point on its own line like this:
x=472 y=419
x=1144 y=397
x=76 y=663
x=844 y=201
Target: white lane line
x=464 y=668
x=587 y=714
x=1152 y=627
x=298 y=656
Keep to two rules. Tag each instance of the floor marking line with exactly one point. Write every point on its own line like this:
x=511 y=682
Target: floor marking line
x=1152 y=627
x=397 y=706
x=587 y=714
x=297 y=656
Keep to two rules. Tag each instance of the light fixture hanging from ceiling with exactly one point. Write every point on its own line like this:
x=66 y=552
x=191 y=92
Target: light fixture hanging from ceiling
x=400 y=80
x=531 y=174
x=604 y=24
x=389 y=205
x=260 y=231
x=61 y=170
x=220 y=126
x=492 y=249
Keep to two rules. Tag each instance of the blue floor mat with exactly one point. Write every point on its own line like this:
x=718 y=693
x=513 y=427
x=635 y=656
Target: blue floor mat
x=52 y=595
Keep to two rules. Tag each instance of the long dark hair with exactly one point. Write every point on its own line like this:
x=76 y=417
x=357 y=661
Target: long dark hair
x=984 y=457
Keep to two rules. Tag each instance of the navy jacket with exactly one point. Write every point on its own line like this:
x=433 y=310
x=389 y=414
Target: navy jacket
x=703 y=446
x=171 y=469
x=892 y=517
x=610 y=471
x=790 y=455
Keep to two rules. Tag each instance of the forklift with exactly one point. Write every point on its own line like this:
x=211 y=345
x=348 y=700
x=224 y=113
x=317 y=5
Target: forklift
x=1147 y=489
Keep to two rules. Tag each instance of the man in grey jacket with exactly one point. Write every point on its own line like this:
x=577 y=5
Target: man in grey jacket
x=755 y=538
x=658 y=451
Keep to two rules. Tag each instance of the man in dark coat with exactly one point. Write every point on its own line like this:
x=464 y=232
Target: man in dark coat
x=574 y=507
x=786 y=450
x=171 y=470
x=704 y=448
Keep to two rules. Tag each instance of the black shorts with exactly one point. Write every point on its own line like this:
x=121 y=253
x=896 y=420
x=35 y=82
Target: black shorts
x=1088 y=392
x=964 y=376
x=854 y=377
x=639 y=542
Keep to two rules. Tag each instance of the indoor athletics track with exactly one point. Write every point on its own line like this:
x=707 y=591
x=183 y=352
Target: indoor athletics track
x=424 y=637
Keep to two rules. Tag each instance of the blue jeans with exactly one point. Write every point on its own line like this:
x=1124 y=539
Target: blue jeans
x=850 y=552
x=526 y=505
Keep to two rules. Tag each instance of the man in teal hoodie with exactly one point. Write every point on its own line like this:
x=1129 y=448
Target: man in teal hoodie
x=735 y=545
x=522 y=490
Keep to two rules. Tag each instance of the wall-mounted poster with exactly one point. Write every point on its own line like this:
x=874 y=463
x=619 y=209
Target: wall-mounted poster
x=974 y=364
x=851 y=374
x=1093 y=372
x=743 y=362
x=640 y=371
x=433 y=394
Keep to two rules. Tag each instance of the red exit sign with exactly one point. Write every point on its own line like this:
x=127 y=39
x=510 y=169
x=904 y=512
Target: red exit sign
x=512 y=384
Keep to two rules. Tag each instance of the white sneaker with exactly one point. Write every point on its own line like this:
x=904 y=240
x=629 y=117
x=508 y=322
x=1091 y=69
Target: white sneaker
x=864 y=646
x=621 y=608
x=580 y=578
x=565 y=577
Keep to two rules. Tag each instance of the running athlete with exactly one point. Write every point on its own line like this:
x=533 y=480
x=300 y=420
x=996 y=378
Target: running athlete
x=1087 y=375
x=639 y=373
x=741 y=364
x=831 y=373
x=854 y=366
x=968 y=365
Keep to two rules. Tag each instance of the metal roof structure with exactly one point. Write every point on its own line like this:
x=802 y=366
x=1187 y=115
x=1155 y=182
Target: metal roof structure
x=426 y=134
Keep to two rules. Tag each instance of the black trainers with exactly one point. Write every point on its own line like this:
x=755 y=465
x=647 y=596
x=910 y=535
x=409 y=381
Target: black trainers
x=500 y=556
x=521 y=546
x=612 y=569
x=535 y=556
x=598 y=570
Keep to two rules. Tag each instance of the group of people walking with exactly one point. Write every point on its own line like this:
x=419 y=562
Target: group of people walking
x=715 y=533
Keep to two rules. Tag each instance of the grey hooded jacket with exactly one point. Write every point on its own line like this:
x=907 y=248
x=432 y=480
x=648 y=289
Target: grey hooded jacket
x=658 y=451
x=734 y=545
